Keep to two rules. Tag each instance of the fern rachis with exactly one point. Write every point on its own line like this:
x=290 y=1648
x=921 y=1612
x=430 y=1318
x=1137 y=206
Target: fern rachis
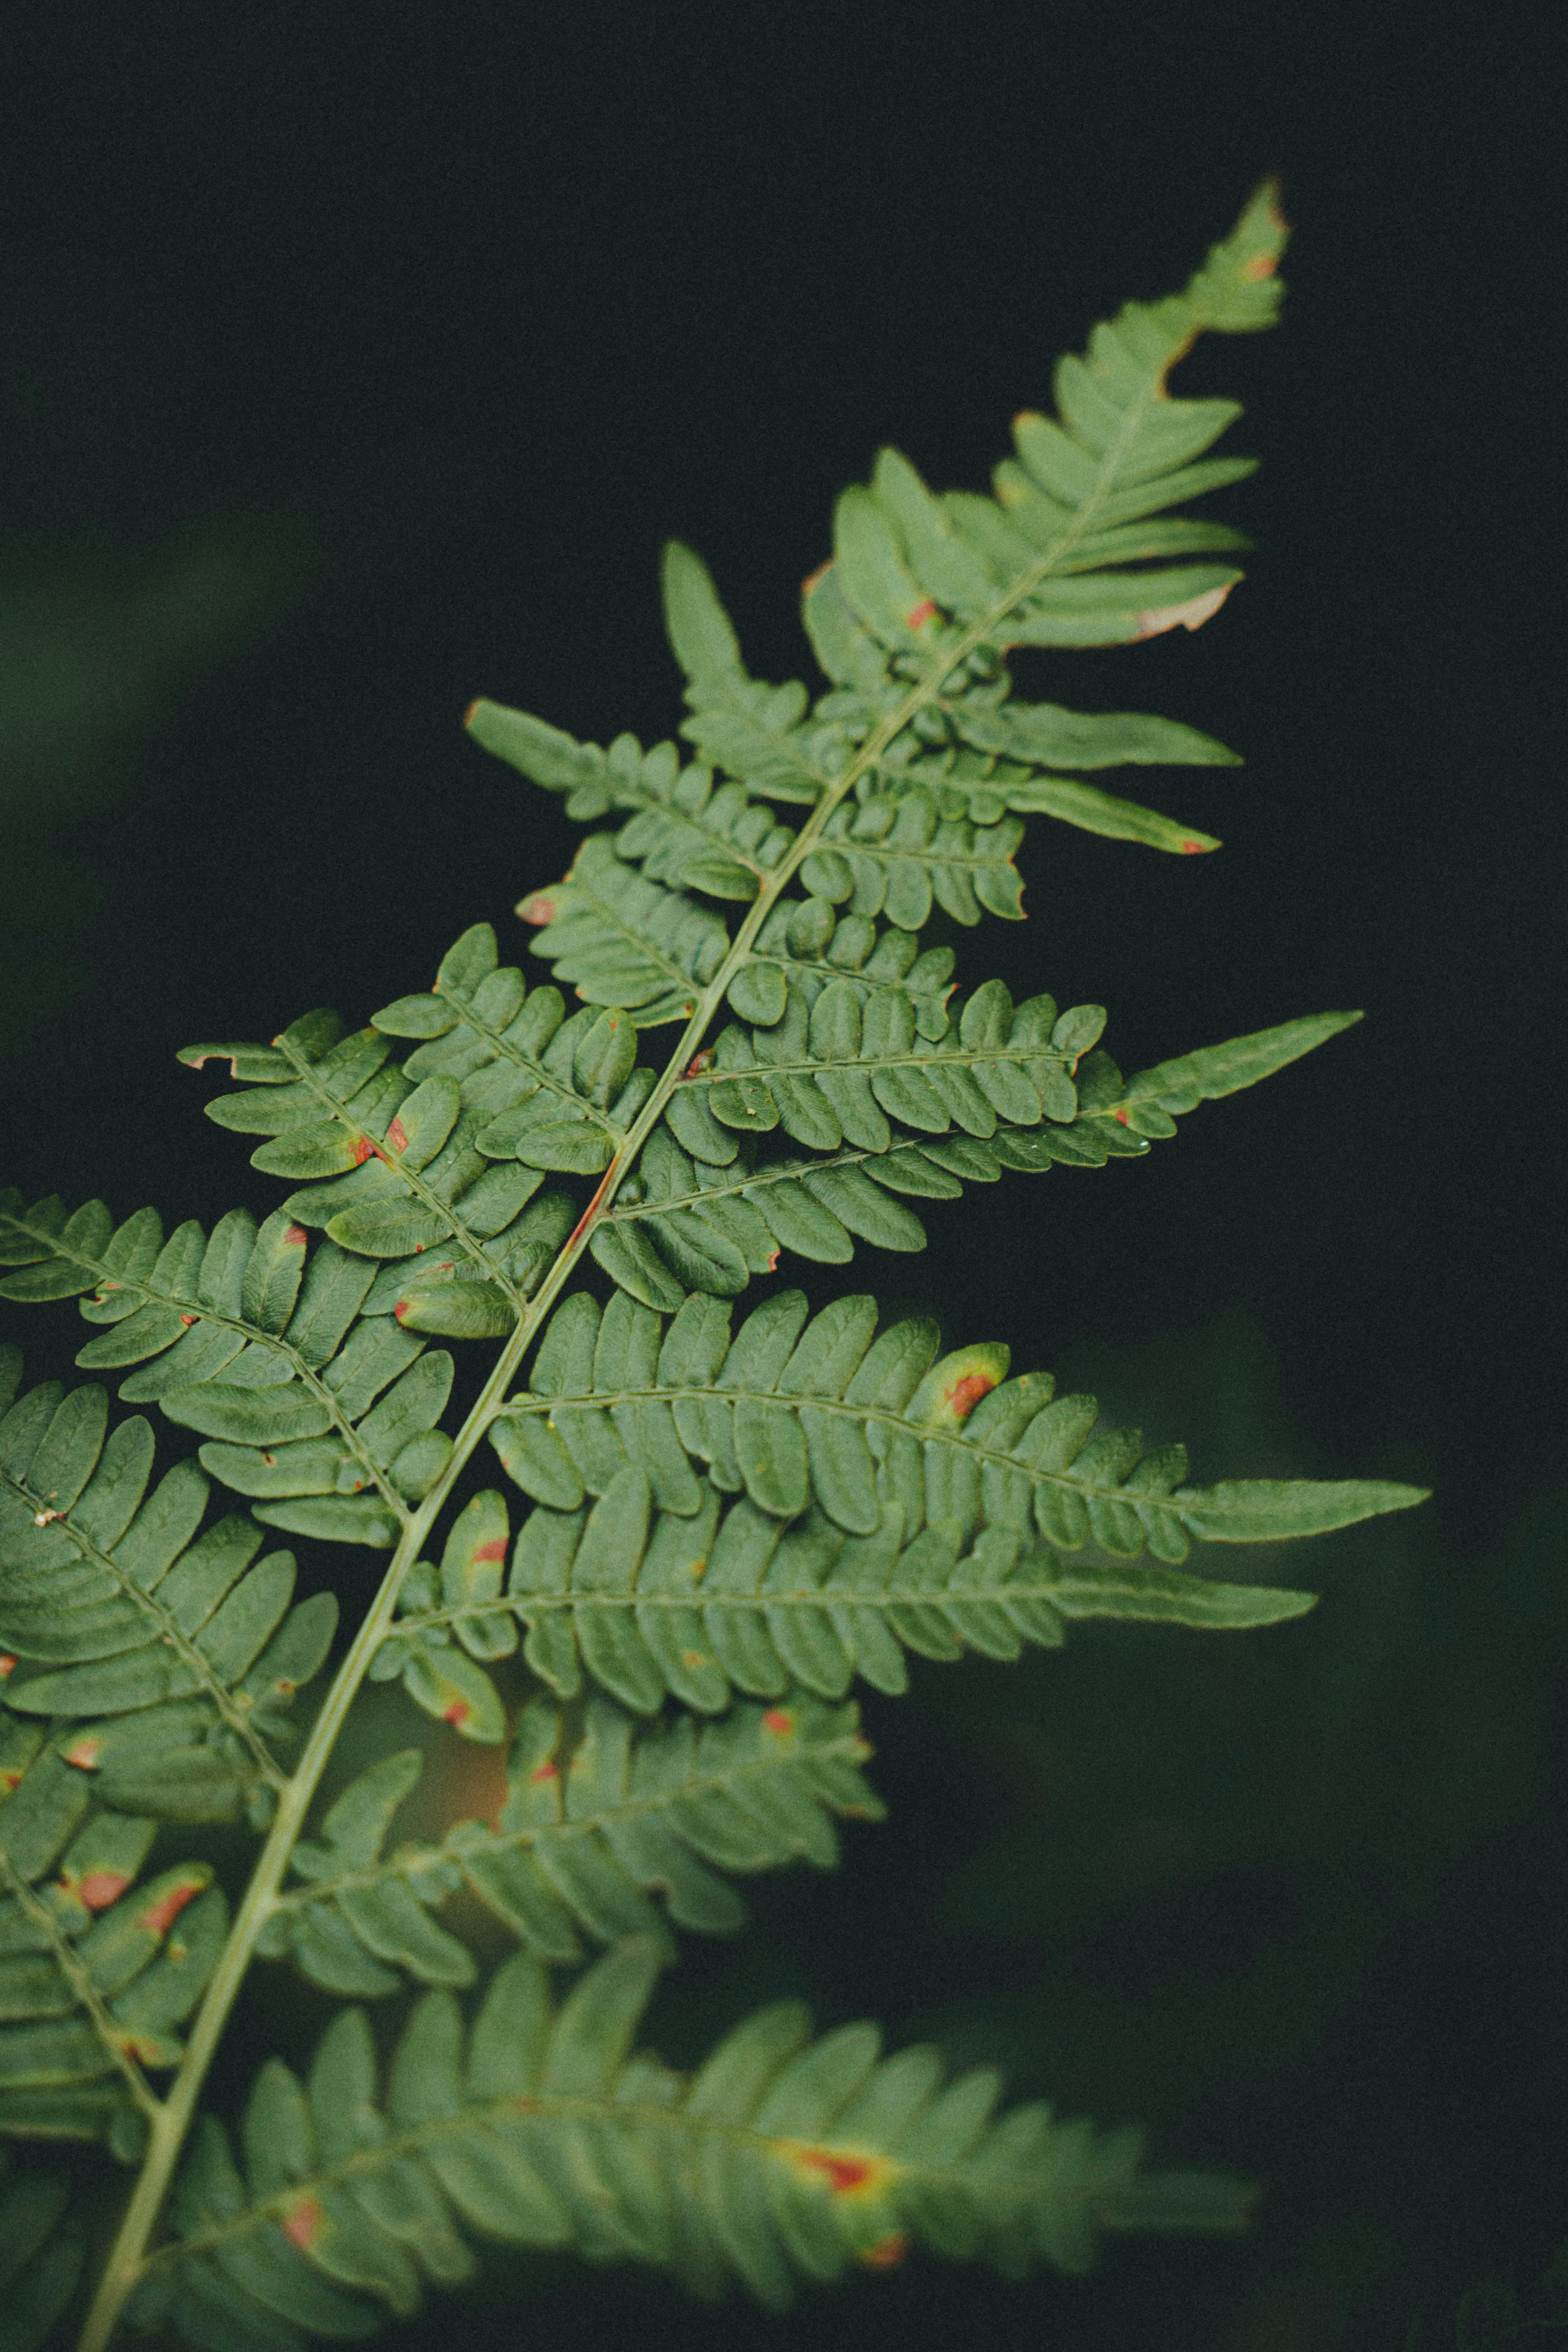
x=726 y=1522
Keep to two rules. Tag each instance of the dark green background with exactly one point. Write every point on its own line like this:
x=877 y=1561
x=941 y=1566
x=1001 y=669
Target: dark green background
x=357 y=361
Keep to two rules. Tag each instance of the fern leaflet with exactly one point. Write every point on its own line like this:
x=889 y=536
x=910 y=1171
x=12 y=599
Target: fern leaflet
x=782 y=2160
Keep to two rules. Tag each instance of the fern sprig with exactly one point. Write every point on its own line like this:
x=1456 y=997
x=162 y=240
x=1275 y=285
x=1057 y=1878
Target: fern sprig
x=768 y=1512
x=783 y=2161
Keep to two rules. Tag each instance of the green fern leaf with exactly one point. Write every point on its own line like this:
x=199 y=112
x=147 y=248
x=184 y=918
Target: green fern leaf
x=94 y=1976
x=620 y=939
x=886 y=1501
x=41 y=2252
x=301 y=1368
x=596 y=1814
x=185 y=1653
x=705 y=1212
x=782 y=2161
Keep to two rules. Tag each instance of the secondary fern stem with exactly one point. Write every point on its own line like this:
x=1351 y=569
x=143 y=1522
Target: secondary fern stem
x=129 y=2253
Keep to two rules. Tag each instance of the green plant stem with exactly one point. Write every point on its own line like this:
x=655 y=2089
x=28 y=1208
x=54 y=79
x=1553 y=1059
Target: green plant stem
x=128 y=2253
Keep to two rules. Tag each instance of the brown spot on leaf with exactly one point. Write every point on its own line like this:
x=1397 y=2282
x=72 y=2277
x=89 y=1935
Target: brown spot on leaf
x=159 y=1916
x=814 y=580
x=296 y=1237
x=397 y=1136
x=780 y=1721
x=966 y=1393
x=543 y=1772
x=302 y=2223
x=923 y=613
x=496 y=1549
x=698 y=1063
x=1193 y=848
x=457 y=1713
x=83 y=1754
x=188 y=1319
x=1190 y=615
x=1262 y=265
x=7 y=1665
x=364 y=1147
x=539 y=909
x=100 y=1888
x=886 y=2253
x=843 y=2174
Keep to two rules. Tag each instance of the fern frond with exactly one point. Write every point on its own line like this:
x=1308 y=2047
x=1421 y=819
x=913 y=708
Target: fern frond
x=886 y=1501
x=184 y=1654
x=394 y=1166
x=782 y=2160
x=931 y=591
x=596 y=1815
x=41 y=2254
x=94 y=1976
x=293 y=1364
x=619 y=939
x=705 y=1212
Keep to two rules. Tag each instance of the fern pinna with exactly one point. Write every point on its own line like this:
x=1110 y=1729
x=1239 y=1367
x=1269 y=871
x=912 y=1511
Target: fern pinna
x=721 y=1515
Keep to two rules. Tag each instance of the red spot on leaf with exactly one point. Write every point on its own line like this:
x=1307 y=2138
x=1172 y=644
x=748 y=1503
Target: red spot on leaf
x=269 y=1459
x=1193 y=848
x=815 y=579
x=364 y=1147
x=83 y=1754
x=296 y=1237
x=542 y=1772
x=1120 y=1117
x=494 y=1550
x=420 y=1247
x=159 y=1916
x=693 y=1658
x=468 y=714
x=539 y=909
x=457 y=1713
x=698 y=1063
x=397 y=1136
x=921 y=615
x=1262 y=265
x=100 y=1888
x=779 y=1719
x=188 y=1319
x=841 y=2172
x=772 y=1261
x=402 y=1309
x=302 y=2223
x=7 y=1665
x=10 y=1779
x=886 y=2254
x=966 y=1393
x=142 y=2047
